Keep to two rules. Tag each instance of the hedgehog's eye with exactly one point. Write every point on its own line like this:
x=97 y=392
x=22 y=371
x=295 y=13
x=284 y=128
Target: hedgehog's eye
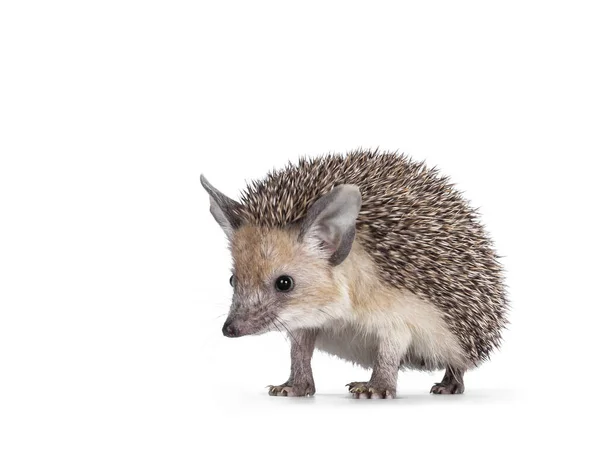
x=232 y=281
x=284 y=283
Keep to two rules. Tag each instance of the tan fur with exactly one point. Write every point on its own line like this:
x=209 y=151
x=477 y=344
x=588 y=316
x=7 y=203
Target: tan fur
x=380 y=312
x=357 y=313
x=261 y=255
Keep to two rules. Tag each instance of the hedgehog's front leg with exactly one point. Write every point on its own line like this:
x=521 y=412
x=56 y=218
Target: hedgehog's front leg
x=300 y=383
x=385 y=370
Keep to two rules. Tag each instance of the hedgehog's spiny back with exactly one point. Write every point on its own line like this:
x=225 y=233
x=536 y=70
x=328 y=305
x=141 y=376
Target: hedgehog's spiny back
x=420 y=232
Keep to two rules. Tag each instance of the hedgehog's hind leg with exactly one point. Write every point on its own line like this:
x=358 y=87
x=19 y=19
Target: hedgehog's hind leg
x=452 y=382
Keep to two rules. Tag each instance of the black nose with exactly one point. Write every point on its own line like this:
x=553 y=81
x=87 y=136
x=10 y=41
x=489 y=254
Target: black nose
x=230 y=330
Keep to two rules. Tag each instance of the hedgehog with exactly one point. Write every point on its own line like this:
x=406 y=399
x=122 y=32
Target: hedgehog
x=369 y=256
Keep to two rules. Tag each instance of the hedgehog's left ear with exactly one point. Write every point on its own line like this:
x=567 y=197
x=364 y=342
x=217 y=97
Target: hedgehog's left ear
x=331 y=221
x=223 y=209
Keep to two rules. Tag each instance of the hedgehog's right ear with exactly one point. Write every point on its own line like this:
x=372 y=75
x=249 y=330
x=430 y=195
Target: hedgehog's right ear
x=331 y=222
x=223 y=209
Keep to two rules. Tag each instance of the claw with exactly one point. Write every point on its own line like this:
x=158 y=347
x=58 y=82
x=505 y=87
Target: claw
x=447 y=388
x=363 y=390
x=285 y=390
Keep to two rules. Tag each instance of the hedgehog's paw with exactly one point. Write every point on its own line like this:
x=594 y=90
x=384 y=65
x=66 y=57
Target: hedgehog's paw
x=292 y=390
x=363 y=389
x=447 y=388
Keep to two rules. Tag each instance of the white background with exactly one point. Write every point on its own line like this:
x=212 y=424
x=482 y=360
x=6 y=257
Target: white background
x=114 y=276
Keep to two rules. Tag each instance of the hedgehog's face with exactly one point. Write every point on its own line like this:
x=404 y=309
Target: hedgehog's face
x=283 y=278
x=279 y=282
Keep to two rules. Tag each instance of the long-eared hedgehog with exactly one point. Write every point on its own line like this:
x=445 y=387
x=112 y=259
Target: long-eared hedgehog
x=368 y=256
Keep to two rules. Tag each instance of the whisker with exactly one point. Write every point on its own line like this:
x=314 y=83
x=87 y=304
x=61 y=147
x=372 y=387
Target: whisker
x=271 y=321
x=275 y=325
x=288 y=330
x=326 y=313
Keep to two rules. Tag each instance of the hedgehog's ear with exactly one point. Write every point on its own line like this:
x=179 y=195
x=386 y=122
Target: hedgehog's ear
x=223 y=209
x=331 y=221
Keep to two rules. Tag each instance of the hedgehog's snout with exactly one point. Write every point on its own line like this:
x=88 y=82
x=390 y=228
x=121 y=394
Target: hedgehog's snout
x=235 y=327
x=242 y=322
x=230 y=329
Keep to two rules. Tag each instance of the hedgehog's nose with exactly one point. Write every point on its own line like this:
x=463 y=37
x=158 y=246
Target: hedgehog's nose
x=230 y=330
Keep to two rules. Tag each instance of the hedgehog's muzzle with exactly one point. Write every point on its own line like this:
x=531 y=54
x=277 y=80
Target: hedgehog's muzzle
x=230 y=329
x=241 y=325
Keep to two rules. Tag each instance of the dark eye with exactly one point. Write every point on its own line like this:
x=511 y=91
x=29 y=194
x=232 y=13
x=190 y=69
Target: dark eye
x=231 y=280
x=284 y=283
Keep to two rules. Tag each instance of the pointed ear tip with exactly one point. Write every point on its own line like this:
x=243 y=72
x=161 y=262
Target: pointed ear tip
x=348 y=187
x=204 y=182
x=351 y=189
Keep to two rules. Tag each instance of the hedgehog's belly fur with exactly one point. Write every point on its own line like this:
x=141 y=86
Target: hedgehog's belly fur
x=361 y=349
x=409 y=322
x=347 y=343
